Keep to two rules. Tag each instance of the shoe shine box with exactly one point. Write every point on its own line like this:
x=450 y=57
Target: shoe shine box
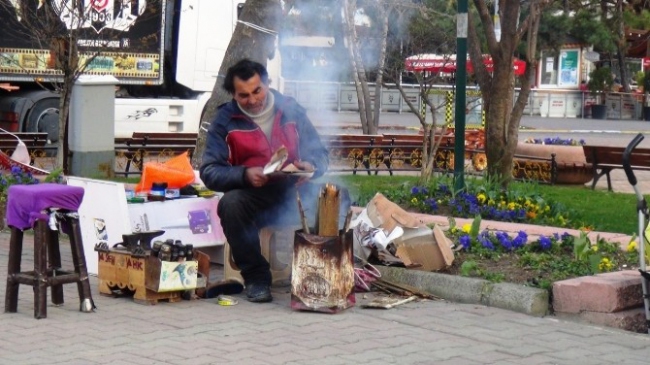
x=147 y=277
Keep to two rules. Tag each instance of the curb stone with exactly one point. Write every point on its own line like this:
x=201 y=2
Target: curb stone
x=517 y=298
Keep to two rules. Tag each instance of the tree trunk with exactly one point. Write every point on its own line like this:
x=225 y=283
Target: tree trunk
x=246 y=42
x=66 y=53
x=63 y=149
x=430 y=143
x=374 y=127
x=502 y=116
x=358 y=70
x=429 y=154
x=621 y=45
x=501 y=138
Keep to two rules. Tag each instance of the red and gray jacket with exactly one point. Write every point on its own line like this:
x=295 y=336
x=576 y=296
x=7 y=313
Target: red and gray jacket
x=234 y=142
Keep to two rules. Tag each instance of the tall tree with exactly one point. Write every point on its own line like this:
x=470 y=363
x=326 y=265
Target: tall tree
x=254 y=38
x=367 y=52
x=358 y=67
x=415 y=34
x=502 y=115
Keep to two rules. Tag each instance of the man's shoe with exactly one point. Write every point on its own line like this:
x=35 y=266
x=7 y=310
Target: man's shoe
x=258 y=293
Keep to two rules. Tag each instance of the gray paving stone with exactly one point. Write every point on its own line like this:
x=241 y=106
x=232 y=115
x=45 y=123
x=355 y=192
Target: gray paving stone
x=525 y=350
x=459 y=361
x=488 y=355
x=201 y=332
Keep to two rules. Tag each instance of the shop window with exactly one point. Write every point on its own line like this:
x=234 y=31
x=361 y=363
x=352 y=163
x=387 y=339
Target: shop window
x=560 y=70
x=549 y=70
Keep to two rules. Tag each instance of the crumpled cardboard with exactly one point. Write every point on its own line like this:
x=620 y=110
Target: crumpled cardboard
x=424 y=249
x=388 y=215
x=417 y=246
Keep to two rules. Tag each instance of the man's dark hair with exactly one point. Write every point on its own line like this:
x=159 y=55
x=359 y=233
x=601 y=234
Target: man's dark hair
x=244 y=70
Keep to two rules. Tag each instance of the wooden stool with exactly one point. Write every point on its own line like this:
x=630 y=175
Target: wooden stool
x=42 y=206
x=276 y=243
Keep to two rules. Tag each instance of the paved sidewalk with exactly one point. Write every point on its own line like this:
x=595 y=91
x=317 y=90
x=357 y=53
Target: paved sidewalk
x=202 y=332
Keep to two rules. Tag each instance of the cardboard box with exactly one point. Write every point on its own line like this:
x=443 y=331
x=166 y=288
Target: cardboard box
x=388 y=215
x=148 y=278
x=424 y=249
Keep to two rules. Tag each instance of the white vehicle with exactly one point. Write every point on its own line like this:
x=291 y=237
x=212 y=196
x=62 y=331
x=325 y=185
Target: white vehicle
x=166 y=56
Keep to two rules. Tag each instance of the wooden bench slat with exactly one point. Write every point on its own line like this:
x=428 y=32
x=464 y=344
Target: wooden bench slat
x=140 y=144
x=606 y=158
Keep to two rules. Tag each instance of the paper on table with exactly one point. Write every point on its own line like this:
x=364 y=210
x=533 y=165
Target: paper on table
x=277 y=160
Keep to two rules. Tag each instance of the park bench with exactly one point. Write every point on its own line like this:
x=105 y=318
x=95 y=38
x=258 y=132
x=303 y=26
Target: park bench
x=134 y=150
x=604 y=159
x=374 y=153
x=37 y=145
x=403 y=152
x=348 y=152
x=8 y=141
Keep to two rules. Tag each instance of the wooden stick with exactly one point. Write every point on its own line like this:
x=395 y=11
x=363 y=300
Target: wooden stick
x=328 y=211
x=348 y=218
x=388 y=303
x=303 y=219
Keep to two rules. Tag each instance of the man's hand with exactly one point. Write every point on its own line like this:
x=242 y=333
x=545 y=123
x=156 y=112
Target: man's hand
x=305 y=166
x=255 y=176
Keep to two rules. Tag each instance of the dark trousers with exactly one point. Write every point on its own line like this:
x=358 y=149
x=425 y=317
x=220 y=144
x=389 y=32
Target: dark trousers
x=243 y=212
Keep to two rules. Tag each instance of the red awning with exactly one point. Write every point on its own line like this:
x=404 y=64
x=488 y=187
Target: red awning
x=447 y=64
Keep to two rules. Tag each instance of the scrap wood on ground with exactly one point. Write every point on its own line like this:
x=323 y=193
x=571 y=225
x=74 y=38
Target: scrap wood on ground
x=403 y=290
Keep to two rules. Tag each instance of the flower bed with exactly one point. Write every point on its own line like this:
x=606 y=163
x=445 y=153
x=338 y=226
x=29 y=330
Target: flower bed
x=509 y=206
x=556 y=141
x=8 y=178
x=498 y=256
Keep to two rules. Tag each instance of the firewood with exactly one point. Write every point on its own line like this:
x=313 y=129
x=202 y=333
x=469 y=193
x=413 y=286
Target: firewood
x=328 y=211
x=303 y=219
x=402 y=289
x=388 y=303
x=348 y=219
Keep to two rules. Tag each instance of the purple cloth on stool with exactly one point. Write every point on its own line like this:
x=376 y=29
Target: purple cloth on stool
x=25 y=202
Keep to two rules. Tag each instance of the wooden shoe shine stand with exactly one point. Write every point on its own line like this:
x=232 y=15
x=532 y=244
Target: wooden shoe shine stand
x=139 y=270
x=121 y=273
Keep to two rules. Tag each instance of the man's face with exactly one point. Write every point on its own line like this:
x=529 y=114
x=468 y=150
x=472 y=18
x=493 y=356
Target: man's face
x=251 y=94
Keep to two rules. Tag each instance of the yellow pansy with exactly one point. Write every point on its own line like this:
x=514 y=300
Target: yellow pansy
x=631 y=247
x=605 y=264
x=467 y=227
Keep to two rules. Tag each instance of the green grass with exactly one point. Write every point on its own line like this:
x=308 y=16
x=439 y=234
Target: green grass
x=596 y=209
x=601 y=210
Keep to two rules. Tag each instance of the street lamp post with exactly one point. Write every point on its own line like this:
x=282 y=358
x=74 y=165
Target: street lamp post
x=461 y=85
